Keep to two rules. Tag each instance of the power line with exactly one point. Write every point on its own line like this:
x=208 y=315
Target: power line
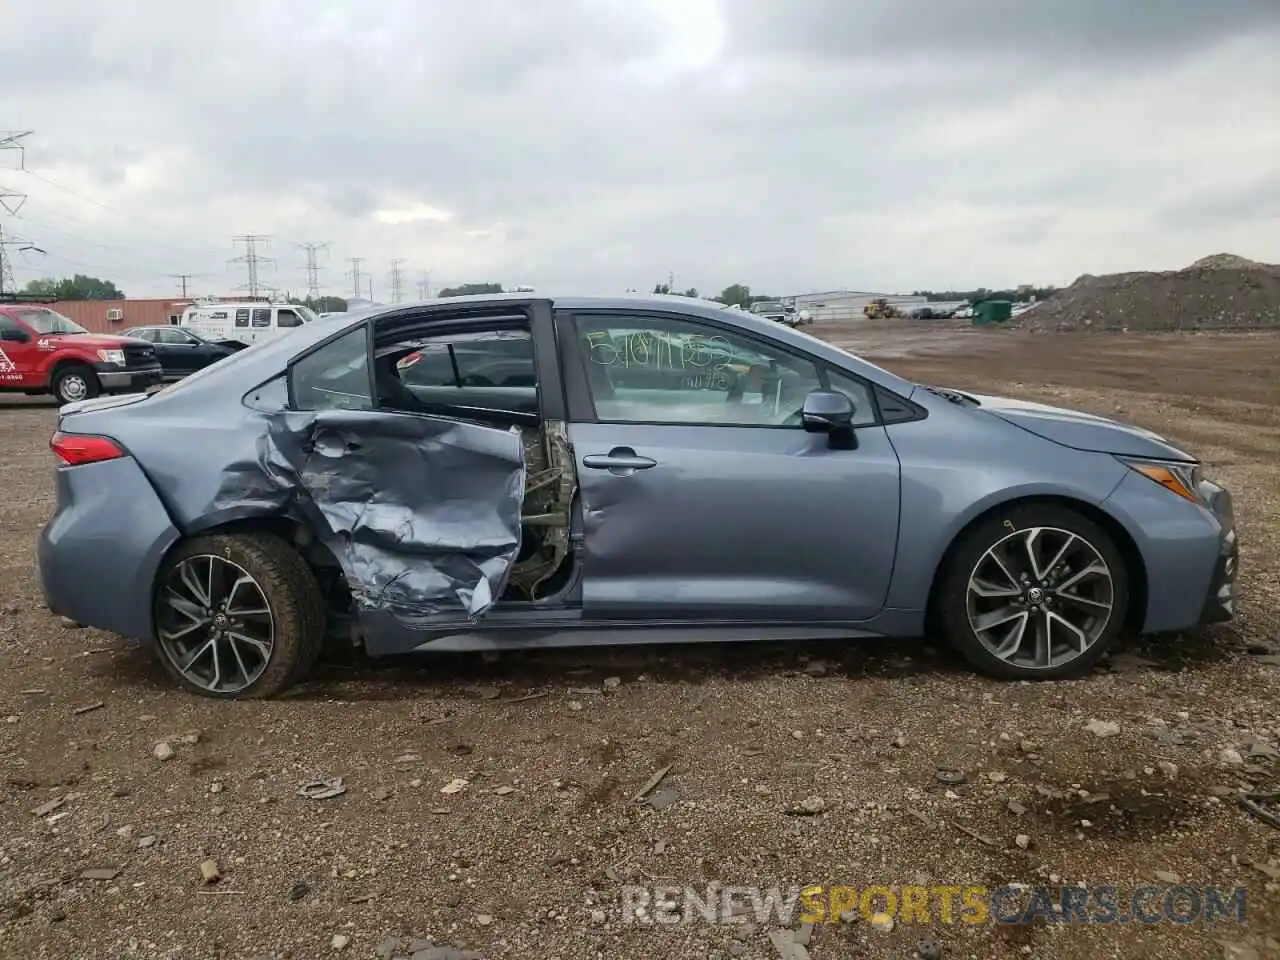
x=132 y=216
x=252 y=259
x=397 y=281
x=313 y=267
x=356 y=276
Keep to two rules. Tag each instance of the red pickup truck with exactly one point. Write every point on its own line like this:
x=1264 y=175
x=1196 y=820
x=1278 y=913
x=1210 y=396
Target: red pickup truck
x=43 y=352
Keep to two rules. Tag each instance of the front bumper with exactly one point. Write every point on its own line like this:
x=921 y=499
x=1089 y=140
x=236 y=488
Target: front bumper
x=1220 y=604
x=114 y=377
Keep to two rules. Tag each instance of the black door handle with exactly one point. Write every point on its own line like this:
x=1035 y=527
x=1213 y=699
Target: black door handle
x=619 y=460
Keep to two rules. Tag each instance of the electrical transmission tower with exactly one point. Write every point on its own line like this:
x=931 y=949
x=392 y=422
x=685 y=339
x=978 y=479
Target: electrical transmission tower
x=11 y=142
x=252 y=260
x=356 y=277
x=397 y=281
x=313 y=267
x=424 y=287
x=7 y=282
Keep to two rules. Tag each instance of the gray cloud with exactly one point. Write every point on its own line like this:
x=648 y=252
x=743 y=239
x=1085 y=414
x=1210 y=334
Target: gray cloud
x=1256 y=202
x=1048 y=30
x=602 y=145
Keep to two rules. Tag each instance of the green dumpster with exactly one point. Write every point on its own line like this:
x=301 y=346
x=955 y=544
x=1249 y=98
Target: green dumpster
x=992 y=311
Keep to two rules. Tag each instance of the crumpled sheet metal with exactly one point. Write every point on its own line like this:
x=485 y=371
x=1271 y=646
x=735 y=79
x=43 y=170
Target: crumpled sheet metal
x=422 y=514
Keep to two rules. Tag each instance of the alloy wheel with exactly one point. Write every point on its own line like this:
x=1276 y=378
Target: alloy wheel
x=1040 y=597
x=214 y=624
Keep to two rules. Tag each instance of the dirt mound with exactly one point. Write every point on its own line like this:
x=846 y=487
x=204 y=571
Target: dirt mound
x=1229 y=261
x=1219 y=292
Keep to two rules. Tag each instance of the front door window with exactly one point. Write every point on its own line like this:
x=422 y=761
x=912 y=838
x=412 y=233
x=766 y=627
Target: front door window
x=650 y=369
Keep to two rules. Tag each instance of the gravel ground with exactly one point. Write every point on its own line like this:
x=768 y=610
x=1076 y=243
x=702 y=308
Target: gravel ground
x=529 y=857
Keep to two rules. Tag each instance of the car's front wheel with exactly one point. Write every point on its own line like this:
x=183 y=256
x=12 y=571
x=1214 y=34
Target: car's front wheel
x=1035 y=591
x=238 y=616
x=76 y=382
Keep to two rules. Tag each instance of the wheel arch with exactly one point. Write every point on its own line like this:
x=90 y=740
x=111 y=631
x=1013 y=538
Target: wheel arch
x=324 y=564
x=63 y=363
x=1135 y=565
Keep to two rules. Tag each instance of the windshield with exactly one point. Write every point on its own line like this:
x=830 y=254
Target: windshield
x=305 y=313
x=768 y=306
x=46 y=321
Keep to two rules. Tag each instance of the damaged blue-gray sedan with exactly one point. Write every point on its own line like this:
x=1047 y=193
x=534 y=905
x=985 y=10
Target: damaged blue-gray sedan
x=516 y=472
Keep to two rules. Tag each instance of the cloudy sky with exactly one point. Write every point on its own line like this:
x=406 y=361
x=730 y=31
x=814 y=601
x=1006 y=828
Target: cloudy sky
x=596 y=145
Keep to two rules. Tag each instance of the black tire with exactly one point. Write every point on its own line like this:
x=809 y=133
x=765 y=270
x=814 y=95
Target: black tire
x=292 y=594
x=73 y=378
x=951 y=600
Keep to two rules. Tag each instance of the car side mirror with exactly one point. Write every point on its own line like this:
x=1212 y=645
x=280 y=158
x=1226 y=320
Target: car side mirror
x=826 y=410
x=14 y=336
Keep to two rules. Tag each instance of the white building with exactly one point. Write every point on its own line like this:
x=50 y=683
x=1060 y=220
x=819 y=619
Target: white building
x=847 y=304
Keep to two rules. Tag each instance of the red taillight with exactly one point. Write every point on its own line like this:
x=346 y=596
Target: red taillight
x=76 y=449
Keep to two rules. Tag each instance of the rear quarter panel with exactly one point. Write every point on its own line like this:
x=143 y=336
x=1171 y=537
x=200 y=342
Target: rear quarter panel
x=99 y=554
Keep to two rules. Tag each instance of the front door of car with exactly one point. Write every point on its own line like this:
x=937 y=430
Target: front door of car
x=703 y=496
x=177 y=351
x=19 y=354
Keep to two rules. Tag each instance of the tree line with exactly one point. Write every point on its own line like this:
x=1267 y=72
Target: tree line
x=78 y=287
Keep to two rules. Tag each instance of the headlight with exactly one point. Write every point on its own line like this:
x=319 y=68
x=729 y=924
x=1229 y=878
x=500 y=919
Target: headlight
x=112 y=356
x=1180 y=478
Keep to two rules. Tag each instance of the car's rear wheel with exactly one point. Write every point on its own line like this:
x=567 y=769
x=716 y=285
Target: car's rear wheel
x=238 y=616
x=1036 y=591
x=76 y=382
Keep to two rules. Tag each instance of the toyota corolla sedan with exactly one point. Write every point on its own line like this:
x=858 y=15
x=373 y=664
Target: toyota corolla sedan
x=517 y=472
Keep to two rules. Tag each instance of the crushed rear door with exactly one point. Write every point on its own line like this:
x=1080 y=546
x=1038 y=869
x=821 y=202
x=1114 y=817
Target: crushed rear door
x=422 y=513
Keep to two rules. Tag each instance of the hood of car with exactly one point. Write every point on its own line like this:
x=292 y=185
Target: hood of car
x=1081 y=431
x=93 y=341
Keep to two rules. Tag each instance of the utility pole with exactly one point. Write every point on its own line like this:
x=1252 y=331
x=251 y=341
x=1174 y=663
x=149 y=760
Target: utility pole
x=424 y=286
x=183 y=279
x=397 y=281
x=354 y=274
x=313 y=267
x=252 y=259
x=11 y=142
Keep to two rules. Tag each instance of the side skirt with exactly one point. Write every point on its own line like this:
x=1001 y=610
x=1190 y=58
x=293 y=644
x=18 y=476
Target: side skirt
x=598 y=635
